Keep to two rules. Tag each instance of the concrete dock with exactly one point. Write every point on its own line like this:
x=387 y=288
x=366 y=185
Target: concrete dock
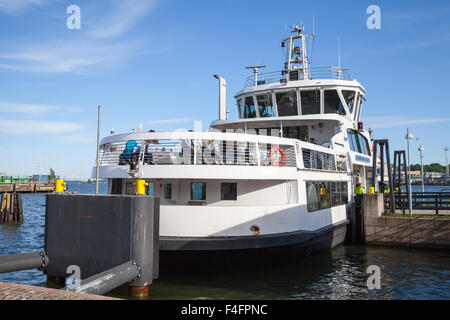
x=415 y=231
x=12 y=291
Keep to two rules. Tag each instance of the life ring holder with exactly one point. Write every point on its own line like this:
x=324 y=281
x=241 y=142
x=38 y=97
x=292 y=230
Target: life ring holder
x=283 y=156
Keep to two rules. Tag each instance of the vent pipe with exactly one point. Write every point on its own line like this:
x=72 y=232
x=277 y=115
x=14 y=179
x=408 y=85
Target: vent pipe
x=222 y=97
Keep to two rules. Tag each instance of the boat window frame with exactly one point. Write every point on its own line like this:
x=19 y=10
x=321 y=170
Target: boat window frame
x=320 y=99
x=254 y=104
x=240 y=109
x=283 y=91
x=222 y=193
x=192 y=193
x=275 y=113
x=345 y=102
x=341 y=97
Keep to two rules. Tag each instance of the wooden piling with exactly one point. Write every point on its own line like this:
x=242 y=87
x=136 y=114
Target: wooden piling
x=11 y=209
x=3 y=208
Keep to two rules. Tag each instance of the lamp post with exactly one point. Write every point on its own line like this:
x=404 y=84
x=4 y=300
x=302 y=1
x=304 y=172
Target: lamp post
x=408 y=137
x=446 y=161
x=421 y=167
x=98 y=150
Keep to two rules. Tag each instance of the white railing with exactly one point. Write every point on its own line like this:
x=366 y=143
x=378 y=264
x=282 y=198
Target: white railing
x=213 y=148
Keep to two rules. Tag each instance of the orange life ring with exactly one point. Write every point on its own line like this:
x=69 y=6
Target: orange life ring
x=274 y=161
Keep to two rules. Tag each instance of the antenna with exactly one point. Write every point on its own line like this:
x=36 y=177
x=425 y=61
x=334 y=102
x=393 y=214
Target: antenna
x=339 y=51
x=311 y=42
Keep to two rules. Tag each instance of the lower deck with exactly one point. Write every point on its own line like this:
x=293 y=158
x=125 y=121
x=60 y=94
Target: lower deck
x=212 y=208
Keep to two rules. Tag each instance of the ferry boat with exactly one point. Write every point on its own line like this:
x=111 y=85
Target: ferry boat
x=281 y=176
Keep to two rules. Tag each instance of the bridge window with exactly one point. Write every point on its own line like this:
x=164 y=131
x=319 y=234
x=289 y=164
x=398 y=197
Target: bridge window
x=333 y=103
x=239 y=105
x=287 y=104
x=358 y=143
x=249 y=108
x=265 y=105
x=349 y=97
x=310 y=101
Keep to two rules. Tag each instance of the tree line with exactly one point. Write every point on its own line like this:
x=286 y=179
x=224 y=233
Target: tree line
x=434 y=167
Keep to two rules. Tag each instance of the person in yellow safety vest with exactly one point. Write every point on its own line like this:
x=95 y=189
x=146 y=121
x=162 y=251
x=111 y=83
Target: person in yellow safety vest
x=359 y=189
x=387 y=190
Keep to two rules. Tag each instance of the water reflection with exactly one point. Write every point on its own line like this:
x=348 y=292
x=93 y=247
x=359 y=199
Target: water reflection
x=335 y=274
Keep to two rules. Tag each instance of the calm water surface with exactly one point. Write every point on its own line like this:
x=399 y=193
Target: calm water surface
x=335 y=274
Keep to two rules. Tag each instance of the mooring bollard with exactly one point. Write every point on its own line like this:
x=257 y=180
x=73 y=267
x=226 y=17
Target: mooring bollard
x=59 y=185
x=140 y=187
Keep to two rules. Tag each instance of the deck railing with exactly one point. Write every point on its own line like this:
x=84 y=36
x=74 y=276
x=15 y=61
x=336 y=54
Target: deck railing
x=213 y=148
x=429 y=201
x=282 y=76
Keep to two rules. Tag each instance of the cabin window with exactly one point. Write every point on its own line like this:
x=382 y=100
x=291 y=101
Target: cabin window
x=249 y=108
x=353 y=141
x=130 y=189
x=198 y=191
x=265 y=105
x=310 y=101
x=287 y=104
x=300 y=133
x=228 y=191
x=239 y=105
x=358 y=143
x=349 y=97
x=326 y=194
x=312 y=196
x=168 y=191
x=116 y=186
x=333 y=103
x=364 y=144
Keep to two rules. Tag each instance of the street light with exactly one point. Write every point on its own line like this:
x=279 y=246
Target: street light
x=421 y=167
x=446 y=160
x=408 y=137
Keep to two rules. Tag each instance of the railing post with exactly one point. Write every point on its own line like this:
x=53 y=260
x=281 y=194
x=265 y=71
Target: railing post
x=258 y=156
x=436 y=204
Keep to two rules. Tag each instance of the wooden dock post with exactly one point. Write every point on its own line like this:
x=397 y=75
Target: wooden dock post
x=11 y=209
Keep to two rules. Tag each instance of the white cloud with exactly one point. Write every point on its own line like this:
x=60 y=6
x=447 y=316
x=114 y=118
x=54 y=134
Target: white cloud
x=175 y=120
x=17 y=6
x=121 y=18
x=93 y=50
x=38 y=127
x=34 y=109
x=76 y=56
x=78 y=138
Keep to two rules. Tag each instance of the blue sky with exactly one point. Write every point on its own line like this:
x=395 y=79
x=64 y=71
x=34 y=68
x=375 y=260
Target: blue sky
x=152 y=62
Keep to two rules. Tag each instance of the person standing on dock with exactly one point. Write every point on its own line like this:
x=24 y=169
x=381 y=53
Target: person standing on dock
x=359 y=189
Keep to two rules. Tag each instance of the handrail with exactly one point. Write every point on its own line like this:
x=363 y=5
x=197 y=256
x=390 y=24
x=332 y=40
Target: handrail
x=213 y=148
x=294 y=75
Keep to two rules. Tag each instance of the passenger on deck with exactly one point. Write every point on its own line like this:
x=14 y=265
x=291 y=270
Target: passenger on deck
x=124 y=158
x=311 y=140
